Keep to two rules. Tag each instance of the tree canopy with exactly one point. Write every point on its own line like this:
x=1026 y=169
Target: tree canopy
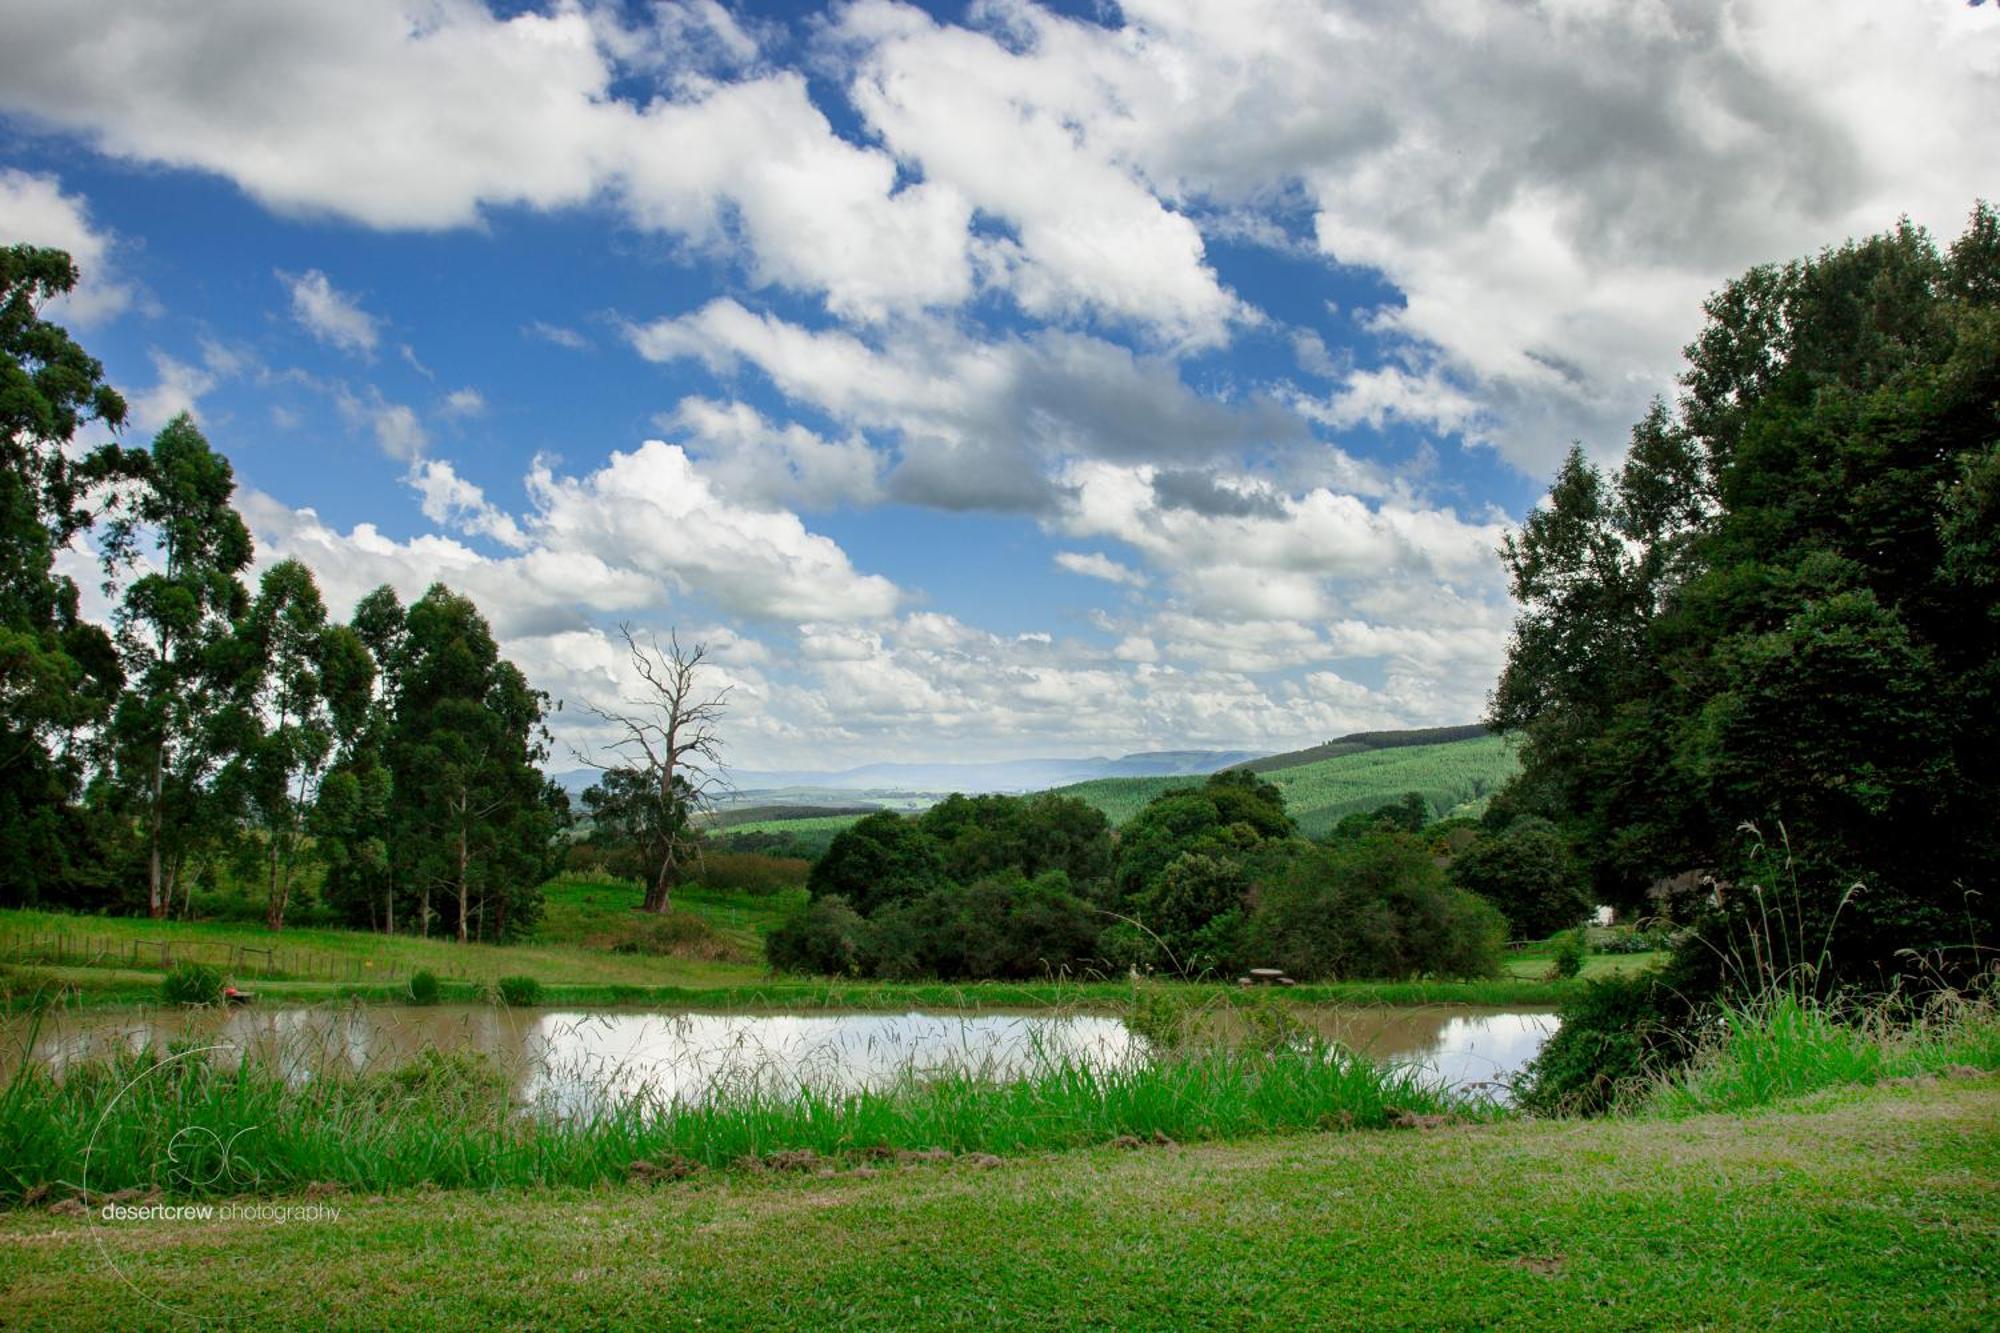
x=1780 y=611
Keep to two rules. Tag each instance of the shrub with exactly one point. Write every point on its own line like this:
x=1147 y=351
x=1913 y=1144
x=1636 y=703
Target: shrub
x=519 y=992
x=676 y=935
x=456 y=1085
x=1375 y=906
x=753 y=872
x=1617 y=1035
x=423 y=986
x=882 y=859
x=1637 y=941
x=1568 y=957
x=1002 y=927
x=192 y=983
x=826 y=936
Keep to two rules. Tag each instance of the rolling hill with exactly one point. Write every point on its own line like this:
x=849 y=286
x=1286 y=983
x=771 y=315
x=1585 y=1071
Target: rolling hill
x=1455 y=768
x=1354 y=773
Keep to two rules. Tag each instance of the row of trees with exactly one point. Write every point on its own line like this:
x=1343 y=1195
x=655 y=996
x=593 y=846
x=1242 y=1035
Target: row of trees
x=1203 y=881
x=212 y=731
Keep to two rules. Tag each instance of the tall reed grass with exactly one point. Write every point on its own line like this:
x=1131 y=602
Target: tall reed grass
x=186 y=1125
x=1787 y=1043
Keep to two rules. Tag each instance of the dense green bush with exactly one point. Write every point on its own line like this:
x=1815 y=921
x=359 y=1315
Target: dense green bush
x=1001 y=927
x=882 y=859
x=1779 y=612
x=675 y=935
x=423 y=986
x=1227 y=815
x=979 y=836
x=1636 y=941
x=192 y=983
x=519 y=992
x=1376 y=906
x=826 y=937
x=1617 y=1035
x=1567 y=960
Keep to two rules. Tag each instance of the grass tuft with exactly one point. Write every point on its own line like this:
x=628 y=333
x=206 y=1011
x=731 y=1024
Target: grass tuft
x=1789 y=1043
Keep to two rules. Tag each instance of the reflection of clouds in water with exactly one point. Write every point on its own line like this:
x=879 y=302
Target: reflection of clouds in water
x=568 y=1062
x=1482 y=1054
x=683 y=1058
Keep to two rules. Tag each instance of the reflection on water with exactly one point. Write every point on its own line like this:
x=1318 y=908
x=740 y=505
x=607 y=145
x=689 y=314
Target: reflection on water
x=567 y=1061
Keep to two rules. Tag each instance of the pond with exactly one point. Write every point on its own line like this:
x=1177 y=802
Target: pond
x=567 y=1061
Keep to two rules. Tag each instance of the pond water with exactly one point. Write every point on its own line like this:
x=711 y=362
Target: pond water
x=566 y=1061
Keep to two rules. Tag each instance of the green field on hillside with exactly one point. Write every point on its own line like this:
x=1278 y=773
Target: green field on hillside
x=1451 y=776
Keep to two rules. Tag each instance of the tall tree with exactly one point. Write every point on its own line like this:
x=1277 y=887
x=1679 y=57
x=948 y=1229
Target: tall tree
x=313 y=675
x=188 y=704
x=1781 y=610
x=668 y=750
x=58 y=673
x=476 y=819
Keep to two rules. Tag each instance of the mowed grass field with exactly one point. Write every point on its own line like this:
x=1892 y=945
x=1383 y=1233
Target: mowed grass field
x=1848 y=1209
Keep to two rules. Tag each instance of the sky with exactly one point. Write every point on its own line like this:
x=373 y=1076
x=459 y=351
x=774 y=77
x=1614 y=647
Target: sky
x=975 y=381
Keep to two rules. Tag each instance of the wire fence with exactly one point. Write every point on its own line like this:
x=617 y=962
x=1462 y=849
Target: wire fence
x=64 y=948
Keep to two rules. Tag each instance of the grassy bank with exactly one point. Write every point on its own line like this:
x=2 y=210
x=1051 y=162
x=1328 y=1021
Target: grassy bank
x=180 y=1127
x=1860 y=1209
x=91 y=988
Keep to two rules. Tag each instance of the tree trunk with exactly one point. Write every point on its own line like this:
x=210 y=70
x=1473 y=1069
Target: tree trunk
x=156 y=905
x=464 y=891
x=661 y=896
x=274 y=905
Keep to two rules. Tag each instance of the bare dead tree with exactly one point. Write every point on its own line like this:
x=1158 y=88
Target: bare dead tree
x=670 y=751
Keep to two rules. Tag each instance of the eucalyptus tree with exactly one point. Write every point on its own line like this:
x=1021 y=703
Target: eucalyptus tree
x=188 y=707
x=311 y=677
x=355 y=819
x=474 y=819
x=58 y=672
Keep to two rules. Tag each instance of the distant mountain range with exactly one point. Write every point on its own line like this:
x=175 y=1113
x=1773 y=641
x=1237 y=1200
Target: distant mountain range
x=1005 y=775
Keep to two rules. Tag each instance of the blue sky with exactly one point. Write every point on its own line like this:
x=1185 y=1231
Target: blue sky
x=982 y=381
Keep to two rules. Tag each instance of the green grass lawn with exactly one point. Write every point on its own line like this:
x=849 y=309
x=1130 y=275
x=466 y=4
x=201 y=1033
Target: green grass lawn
x=1844 y=1210
x=1534 y=966
x=311 y=960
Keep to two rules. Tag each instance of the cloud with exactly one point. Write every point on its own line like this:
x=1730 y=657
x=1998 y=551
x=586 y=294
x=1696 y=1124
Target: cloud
x=759 y=462
x=463 y=403
x=397 y=431
x=408 y=114
x=1017 y=121
x=34 y=210
x=449 y=499
x=977 y=424
x=1552 y=189
x=629 y=537
x=1094 y=565
x=331 y=315
x=180 y=385
x=558 y=334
